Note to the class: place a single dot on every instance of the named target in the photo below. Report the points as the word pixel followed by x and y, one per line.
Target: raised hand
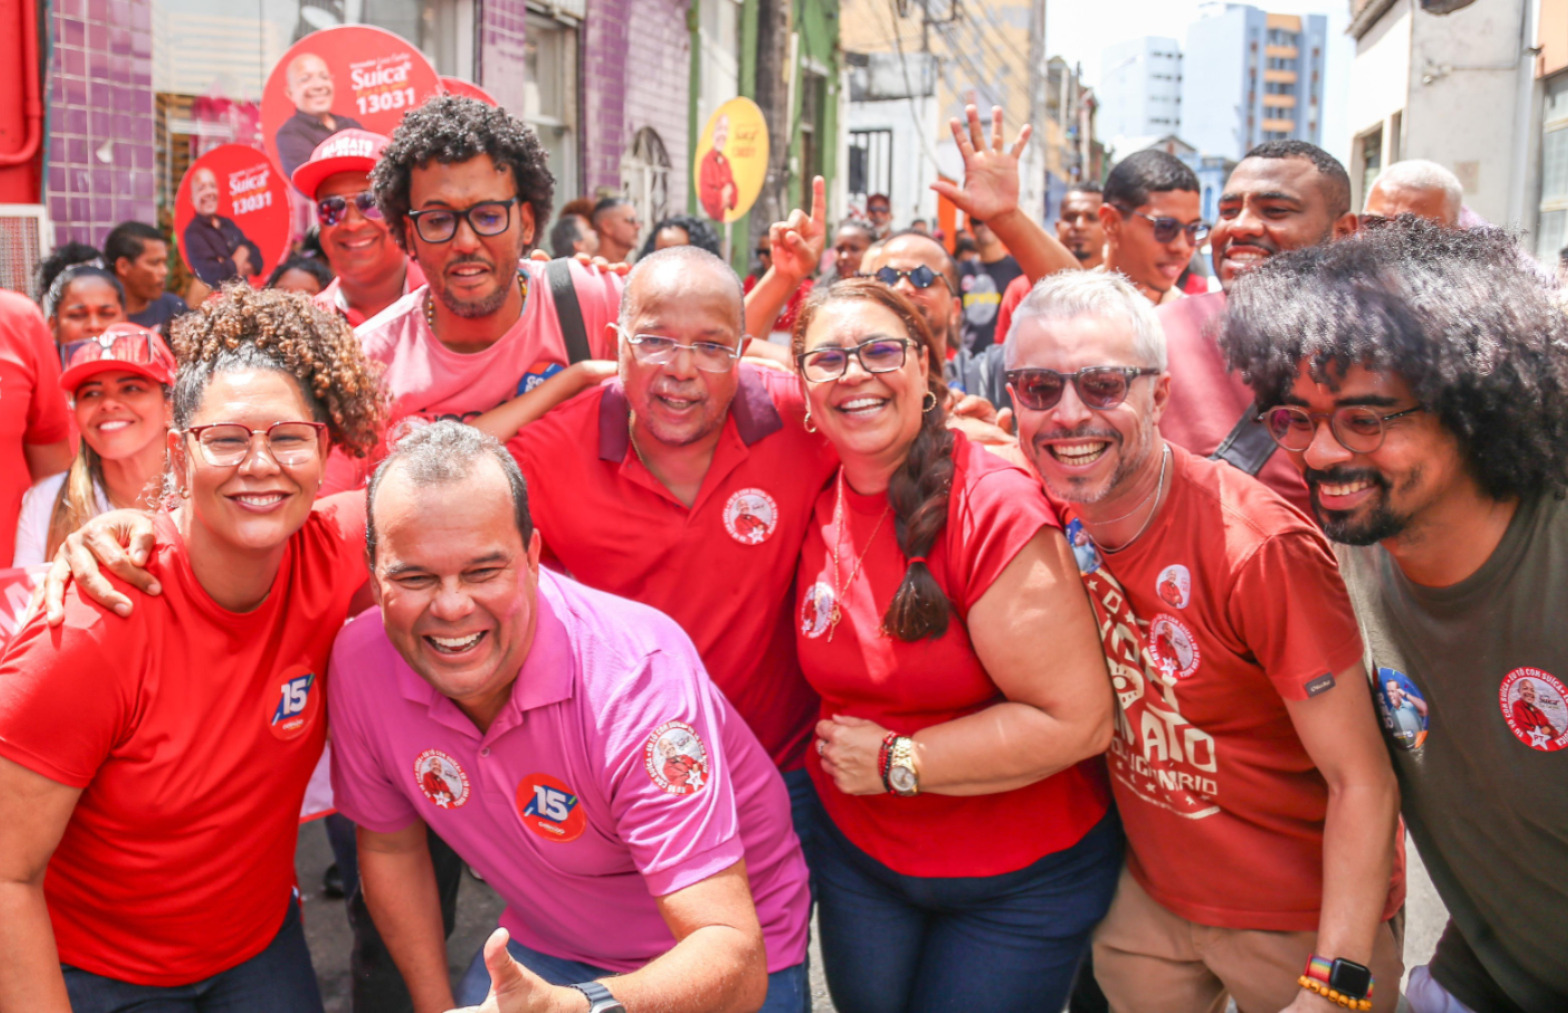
pixel 796 242
pixel 990 187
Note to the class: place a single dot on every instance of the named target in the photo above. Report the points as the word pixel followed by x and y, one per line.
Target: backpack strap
pixel 1248 446
pixel 567 309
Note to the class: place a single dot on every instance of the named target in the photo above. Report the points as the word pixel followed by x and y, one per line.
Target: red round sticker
pixel 351 76
pixel 231 216
pixel 293 701
pixel 1535 705
pixel 550 809
pixel 467 89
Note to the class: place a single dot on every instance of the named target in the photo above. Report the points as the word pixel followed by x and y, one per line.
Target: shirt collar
pixel 752 410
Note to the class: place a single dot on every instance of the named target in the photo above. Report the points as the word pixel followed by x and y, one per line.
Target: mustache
pixel 1268 246
pixel 1090 433
pixel 467 258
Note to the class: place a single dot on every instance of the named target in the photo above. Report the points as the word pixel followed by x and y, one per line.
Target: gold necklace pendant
pixel 838 541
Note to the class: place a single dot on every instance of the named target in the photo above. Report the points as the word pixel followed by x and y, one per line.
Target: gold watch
pixel 902 774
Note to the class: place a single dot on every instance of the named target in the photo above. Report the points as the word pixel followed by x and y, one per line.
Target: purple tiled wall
pixel 637 67
pixel 502 64
pixel 100 117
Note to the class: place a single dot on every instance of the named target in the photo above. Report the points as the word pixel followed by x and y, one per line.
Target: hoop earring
pixel 925 409
pixel 807 421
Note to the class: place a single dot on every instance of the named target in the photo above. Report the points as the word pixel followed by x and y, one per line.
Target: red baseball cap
pixel 344 151
pixel 123 347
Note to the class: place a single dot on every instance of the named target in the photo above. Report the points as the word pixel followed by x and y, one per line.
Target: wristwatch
pixel 599 998
pixel 902 776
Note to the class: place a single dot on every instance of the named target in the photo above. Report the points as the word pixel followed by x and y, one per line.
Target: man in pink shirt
pixel 571 748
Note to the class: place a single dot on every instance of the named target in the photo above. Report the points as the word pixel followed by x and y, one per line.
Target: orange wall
pixel 1553 38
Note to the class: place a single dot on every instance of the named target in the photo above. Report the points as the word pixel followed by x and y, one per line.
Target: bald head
pixel 682 272
pixel 310 84
pixel 1417 187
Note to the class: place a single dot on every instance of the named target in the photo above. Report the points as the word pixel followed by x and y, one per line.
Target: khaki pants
pixel 1148 960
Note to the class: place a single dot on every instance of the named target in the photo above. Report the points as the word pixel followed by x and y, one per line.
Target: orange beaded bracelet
pixel 1333 995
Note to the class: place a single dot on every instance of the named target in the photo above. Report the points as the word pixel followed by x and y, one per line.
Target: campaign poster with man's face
pixel 344 78
pixel 231 216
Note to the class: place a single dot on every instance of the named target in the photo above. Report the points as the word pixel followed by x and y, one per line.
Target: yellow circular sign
pixel 731 161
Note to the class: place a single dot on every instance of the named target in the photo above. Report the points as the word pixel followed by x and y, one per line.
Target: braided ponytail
pixel 918 490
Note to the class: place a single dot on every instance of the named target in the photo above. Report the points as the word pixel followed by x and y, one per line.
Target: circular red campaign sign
pixel 467 89
pixel 231 215
pixel 550 809
pixel 352 76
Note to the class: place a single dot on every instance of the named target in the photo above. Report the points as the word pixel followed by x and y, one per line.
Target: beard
pixel 1366 525
pixel 1127 465
pixel 473 308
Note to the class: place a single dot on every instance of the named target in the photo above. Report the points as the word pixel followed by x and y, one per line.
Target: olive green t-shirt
pixel 1471 682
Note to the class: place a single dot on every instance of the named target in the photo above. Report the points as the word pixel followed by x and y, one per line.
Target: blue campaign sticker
pixel 1402 706
pixel 538 373
pixel 1084 550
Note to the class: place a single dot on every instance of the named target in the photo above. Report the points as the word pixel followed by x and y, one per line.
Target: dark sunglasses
pixel 920 277
pixel 487 218
pixel 332 210
pixel 1099 387
pixel 1167 229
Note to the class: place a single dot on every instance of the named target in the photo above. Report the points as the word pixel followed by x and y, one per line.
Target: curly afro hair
pixel 1458 315
pixel 284 332
pixel 448 129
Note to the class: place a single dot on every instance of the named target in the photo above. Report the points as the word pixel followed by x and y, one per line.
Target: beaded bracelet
pixel 885 760
pixel 1333 995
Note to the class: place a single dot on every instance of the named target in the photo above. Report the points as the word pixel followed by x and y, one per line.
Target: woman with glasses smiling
pixel 152 764
pixel 965 847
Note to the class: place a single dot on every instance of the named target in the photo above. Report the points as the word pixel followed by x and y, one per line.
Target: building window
pixel 1371 158
pixel 550 98
pixel 870 164
pixel 645 177
pixel 1552 229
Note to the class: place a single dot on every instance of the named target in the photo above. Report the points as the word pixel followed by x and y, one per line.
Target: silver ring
pixel 821 745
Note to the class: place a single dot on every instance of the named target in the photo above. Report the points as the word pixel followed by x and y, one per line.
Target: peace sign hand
pixel 990 187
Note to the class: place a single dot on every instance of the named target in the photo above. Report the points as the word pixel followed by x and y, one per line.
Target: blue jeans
pixel 789 990
pixel 1004 944
pixel 279 979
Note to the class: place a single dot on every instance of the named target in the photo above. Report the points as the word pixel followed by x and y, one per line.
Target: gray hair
pixel 689 258
pixel 439 453
pixel 1420 174
pixel 1068 295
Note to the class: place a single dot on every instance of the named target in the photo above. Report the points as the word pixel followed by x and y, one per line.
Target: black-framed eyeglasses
pixel 1167 229
pixel 228 444
pixel 875 355
pixel 487 218
pixel 657 350
pixel 921 277
pixel 332 210
pixel 1358 428
pixel 1100 387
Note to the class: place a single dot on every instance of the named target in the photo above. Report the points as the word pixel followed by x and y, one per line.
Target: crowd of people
pixel 1055 630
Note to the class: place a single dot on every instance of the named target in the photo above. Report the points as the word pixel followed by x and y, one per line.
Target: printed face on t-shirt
pixel 87 307
pixel 1364 498
pixel 1087 455
pixel 258 504
pixel 456 583
pixel 360 250
pixel 472 275
pixel 1137 253
pixel 675 403
pixel 866 416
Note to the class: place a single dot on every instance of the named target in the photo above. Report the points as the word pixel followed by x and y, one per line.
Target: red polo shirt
pixel 721 568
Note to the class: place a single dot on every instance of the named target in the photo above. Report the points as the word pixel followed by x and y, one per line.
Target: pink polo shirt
pixel 616 774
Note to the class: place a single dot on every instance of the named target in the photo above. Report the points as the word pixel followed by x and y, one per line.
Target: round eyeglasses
pixel 228 444
pixel 875 355
pixel 1100 387
pixel 920 276
pixel 1358 428
pixel 332 210
pixel 657 350
pixel 487 218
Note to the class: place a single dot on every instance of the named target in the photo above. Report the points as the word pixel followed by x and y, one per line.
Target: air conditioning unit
pixel 26 238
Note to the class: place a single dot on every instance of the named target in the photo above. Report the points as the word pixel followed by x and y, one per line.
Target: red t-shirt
pixel 1229 605
pixel 1207 400
pixel 993 511
pixel 32 406
pixel 332 300
pixel 1014 294
pixel 723 568
pixel 193 731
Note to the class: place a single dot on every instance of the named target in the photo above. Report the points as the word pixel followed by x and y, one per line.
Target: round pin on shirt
pixel 1535 705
